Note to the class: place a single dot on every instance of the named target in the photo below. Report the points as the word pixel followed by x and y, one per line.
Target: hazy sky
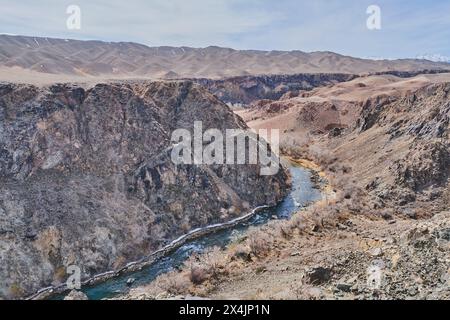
pixel 409 27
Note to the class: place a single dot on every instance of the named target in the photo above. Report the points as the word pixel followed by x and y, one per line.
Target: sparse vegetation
pixel 259 242
pixel 173 283
pixel 198 274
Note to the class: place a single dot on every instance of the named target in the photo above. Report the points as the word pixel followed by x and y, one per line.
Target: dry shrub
pixel 297 147
pixel 185 226
pixel 351 196
pixel 209 265
pixel 326 215
pixel 215 260
pixel 173 283
pixel 259 242
pixel 241 251
pixel 60 274
pixel 298 222
pixel 15 291
pixel 285 231
pixel 346 169
pixel 318 222
pixel 198 274
pixel 120 262
pixel 324 158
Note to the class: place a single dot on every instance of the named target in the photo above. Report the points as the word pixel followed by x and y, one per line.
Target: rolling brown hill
pixel 32 56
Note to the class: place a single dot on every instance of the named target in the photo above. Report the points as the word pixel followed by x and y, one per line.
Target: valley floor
pixel 352 257
pixel 385 232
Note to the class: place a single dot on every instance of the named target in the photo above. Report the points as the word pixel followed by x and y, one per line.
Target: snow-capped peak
pixel 436 57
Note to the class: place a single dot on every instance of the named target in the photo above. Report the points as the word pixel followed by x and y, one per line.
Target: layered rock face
pixel 87 178
pixel 248 89
pixel 393 132
pixel 421 121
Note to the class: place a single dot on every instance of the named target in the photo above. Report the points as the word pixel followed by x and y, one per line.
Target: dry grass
pixel 259 242
pixel 173 283
pixel 198 274
pixel 202 273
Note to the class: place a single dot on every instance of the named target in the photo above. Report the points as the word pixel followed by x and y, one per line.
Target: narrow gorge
pixel 87 178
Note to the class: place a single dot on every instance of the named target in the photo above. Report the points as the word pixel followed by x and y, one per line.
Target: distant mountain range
pixel 435 57
pixel 126 59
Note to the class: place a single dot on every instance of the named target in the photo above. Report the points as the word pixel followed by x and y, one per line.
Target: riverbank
pixel 326 252
pixel 384 234
pixel 147 261
pixel 113 283
pixel 176 283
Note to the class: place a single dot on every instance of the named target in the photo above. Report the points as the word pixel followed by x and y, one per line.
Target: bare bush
pixel 285 231
pixel 215 261
pixel 325 215
pixel 298 222
pixel 241 252
pixel 259 243
pixel 198 274
pixel 173 283
pixel 210 264
pixel 319 224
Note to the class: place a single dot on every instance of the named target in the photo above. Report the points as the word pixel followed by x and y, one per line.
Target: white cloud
pixel 408 26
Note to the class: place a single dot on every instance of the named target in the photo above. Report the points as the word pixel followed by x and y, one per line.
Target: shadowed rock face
pixel 248 89
pixel 87 179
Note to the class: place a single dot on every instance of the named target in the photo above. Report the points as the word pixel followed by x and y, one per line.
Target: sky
pixel 409 28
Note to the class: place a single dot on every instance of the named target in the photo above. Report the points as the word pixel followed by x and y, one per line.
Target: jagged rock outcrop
pixel 425 165
pixel 86 177
pixel 422 114
pixel 417 125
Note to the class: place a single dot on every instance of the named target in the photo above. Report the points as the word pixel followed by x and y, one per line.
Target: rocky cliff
pixel 392 131
pixel 87 179
pixel 417 126
pixel 248 89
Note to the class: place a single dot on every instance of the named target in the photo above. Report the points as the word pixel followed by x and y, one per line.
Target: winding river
pixel 303 192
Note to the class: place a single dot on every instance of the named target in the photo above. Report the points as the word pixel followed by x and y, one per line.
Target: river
pixel 303 192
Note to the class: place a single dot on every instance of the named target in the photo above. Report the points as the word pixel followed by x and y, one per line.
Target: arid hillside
pixel 244 90
pixel 382 230
pixel 393 132
pixel 32 55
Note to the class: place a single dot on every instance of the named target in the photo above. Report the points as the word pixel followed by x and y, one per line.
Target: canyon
pixel 87 177
pixel 382 142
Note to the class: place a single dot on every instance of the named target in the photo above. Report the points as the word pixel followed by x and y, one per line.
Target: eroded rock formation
pixel 247 89
pixel 87 179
